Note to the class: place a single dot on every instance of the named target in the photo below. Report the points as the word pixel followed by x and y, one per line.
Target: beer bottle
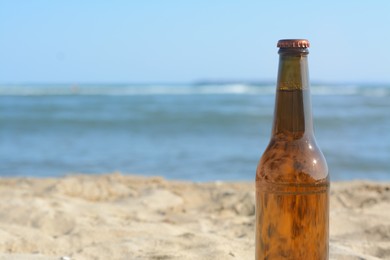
pixel 292 181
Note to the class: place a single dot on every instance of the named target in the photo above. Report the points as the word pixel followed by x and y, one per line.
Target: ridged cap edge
pixel 293 43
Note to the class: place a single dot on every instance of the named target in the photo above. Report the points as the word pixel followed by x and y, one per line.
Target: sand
pixel 118 216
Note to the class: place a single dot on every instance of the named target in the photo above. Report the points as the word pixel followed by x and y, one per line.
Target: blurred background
pixel 185 89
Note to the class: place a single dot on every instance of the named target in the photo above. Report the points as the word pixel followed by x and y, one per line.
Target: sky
pixel 185 41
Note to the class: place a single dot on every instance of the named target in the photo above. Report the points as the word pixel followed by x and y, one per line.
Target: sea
pixel 197 132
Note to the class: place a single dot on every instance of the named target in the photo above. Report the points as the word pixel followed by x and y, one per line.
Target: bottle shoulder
pixel 292 160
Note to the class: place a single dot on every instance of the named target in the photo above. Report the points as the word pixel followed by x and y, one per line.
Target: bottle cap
pixel 293 43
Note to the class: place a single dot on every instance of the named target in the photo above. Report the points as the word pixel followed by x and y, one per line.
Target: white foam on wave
pixel 348 90
pixel 134 90
pixel 335 90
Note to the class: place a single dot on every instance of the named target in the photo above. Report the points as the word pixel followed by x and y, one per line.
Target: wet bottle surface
pixel 292 182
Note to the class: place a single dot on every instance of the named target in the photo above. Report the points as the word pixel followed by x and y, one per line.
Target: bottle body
pixel 292 182
pixel 291 206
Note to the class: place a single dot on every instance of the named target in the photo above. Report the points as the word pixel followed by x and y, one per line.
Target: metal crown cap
pixel 293 43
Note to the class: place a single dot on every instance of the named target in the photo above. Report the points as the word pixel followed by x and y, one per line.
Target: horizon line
pixel 192 82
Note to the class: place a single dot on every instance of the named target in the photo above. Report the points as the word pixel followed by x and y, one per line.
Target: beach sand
pixel 118 216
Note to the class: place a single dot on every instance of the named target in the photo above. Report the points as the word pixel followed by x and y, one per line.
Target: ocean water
pixel 198 132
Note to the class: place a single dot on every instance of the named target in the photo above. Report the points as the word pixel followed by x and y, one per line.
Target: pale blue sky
pixel 182 41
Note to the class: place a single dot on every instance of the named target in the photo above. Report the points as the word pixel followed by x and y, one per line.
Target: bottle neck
pixel 292 117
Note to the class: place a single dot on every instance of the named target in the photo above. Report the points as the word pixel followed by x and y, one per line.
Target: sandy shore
pixel 129 217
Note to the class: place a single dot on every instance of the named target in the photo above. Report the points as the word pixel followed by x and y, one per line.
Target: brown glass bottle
pixel 292 182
